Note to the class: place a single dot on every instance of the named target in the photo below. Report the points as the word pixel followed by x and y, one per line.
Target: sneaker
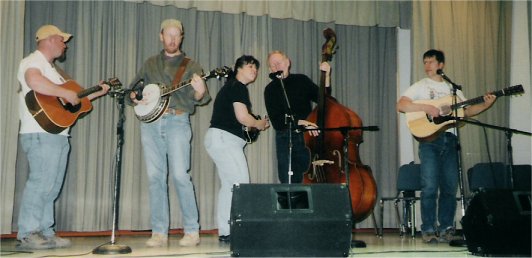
pixel 448 235
pixel 58 242
pixel 429 237
pixel 157 240
pixel 225 239
pixel 191 239
pixel 34 241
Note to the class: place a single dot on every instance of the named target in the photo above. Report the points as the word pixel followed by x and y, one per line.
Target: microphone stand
pixel 290 121
pixel 509 133
pixel 455 88
pixel 112 247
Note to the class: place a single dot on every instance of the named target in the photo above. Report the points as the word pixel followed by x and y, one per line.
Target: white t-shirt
pixel 430 89
pixel 427 88
pixel 37 60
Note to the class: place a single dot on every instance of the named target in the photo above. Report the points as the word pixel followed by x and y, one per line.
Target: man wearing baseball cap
pixel 50 30
pixel 47 152
pixel 167 140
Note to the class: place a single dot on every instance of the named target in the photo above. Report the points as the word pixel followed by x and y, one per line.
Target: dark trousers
pixel 300 156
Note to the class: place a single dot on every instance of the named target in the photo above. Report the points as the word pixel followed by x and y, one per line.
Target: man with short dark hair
pixel 438 154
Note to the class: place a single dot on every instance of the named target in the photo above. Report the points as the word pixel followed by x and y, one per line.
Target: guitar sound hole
pixel 69 107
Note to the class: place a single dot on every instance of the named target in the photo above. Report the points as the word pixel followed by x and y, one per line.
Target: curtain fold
pixel 361 13
pixel 11 51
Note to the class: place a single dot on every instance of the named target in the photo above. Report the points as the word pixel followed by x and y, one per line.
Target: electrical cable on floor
pixel 228 253
pixel 66 255
pixel 73 255
pixel 13 252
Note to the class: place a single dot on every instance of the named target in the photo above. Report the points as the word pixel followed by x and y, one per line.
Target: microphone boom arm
pixel 442 74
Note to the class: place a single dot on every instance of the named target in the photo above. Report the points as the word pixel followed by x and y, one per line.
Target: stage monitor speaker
pixel 497 222
pixel 290 220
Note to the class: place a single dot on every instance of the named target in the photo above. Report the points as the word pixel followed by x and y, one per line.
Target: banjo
pixel 156 96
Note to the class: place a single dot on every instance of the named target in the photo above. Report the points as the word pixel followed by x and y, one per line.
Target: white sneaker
pixel 191 239
pixel 58 242
pixel 157 240
pixel 35 241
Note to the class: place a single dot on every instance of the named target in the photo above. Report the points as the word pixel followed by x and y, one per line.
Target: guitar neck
pixel 89 91
pixel 476 100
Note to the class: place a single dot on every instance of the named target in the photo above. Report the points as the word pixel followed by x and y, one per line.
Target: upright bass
pixel 327 154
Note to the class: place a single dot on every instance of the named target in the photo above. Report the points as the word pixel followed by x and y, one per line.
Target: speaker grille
pixel 290 220
pixel 497 222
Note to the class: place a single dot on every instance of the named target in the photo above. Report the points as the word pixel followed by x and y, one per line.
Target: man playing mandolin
pixel 166 140
pixel 225 140
pixel 47 151
pixel 438 154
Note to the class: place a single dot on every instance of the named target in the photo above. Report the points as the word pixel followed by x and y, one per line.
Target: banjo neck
pixel 165 90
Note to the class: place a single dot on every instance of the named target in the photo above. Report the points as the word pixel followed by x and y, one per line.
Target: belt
pixel 174 111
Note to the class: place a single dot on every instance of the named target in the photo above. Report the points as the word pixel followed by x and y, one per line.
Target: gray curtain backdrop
pixel 12 28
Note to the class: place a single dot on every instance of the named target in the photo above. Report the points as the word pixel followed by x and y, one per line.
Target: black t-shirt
pixel 301 91
pixel 223 115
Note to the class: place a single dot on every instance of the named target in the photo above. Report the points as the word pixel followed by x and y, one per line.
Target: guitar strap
pixel 180 71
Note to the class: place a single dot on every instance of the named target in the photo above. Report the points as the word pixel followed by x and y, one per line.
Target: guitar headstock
pixel 219 72
pixel 328 49
pixel 513 90
pixel 115 86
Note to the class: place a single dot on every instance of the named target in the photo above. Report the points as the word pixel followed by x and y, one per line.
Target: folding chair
pixel 496 175
pixel 488 176
pixel 408 182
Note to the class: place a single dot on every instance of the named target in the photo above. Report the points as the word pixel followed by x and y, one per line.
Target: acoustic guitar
pixel 425 127
pixel 54 114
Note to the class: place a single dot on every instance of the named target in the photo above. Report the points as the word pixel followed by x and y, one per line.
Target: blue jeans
pixel 439 170
pixel 300 156
pixel 166 146
pixel 227 151
pixel 47 155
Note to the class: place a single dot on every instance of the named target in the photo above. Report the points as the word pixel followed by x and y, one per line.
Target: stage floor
pixel 390 245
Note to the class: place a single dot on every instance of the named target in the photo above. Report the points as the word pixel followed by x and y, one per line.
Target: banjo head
pixel 153 106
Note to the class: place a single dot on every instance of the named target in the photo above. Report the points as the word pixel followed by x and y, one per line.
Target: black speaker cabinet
pixel 497 222
pixel 290 220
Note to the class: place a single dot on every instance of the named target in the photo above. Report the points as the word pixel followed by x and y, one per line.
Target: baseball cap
pixel 46 31
pixel 172 23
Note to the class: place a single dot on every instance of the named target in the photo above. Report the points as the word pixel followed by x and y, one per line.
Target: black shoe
pixel 225 239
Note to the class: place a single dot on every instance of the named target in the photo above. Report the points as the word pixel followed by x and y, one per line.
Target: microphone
pixel 138 92
pixel 277 74
pixel 442 74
